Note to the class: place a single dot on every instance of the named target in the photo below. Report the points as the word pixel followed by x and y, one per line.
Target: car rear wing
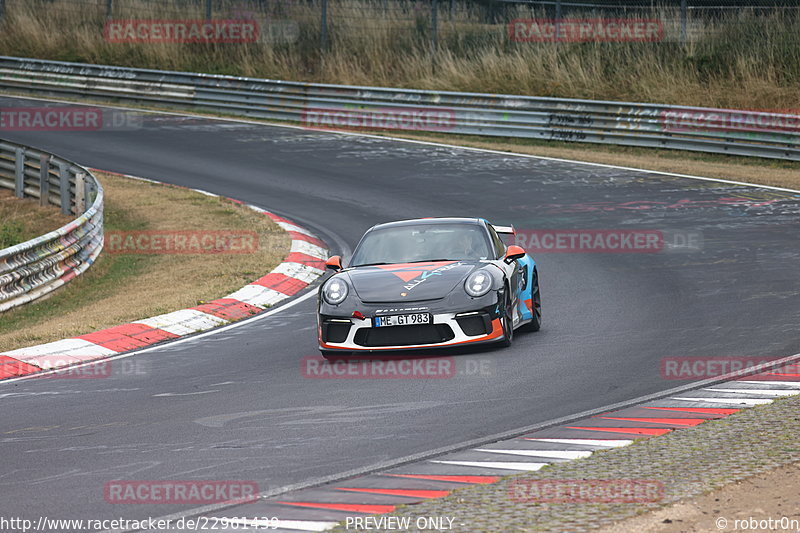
pixel 504 230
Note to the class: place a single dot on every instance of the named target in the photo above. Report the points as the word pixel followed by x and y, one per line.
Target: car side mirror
pixel 513 253
pixel 334 263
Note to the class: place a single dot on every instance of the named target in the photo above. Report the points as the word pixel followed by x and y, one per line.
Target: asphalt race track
pixel 236 405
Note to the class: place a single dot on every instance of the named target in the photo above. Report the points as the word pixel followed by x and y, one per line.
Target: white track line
pixel 732 401
pixel 781 383
pixel 609 443
pixel 522 467
pixel 760 392
pixel 552 454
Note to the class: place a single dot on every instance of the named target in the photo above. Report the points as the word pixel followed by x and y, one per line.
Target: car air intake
pixel 335 331
pixel 404 335
pixel 475 324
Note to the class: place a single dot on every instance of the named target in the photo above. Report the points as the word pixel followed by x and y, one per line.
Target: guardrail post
pixel 91 191
pixel 44 179
pixel 80 193
pixel 109 9
pixel 19 173
pixel 323 27
pixel 208 9
pixel 434 28
pixel 684 10
pixel 558 21
pixel 64 188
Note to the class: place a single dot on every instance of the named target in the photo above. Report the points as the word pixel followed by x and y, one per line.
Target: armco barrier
pixel 34 268
pixel 736 132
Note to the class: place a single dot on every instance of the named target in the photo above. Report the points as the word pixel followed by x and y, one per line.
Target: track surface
pixel 235 405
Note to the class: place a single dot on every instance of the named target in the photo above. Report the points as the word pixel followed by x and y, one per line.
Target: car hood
pixel 409 281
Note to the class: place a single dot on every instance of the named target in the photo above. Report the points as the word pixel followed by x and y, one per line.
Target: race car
pixel 428 283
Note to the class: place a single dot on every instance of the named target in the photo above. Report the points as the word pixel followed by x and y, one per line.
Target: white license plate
pixel 403 320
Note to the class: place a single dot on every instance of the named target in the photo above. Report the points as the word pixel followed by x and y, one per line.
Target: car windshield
pixel 422 242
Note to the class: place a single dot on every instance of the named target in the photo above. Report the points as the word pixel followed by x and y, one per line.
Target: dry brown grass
pixel 761 497
pixel 121 288
pixel 739 61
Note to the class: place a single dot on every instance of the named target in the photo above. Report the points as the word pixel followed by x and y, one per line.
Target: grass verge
pixel 24 219
pixel 120 288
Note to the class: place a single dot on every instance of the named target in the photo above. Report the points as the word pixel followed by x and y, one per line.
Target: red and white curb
pixel 323 507
pixel 304 264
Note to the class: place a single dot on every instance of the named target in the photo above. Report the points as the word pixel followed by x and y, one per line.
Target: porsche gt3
pixel 428 283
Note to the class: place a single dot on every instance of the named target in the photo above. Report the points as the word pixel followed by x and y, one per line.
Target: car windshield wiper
pixel 431 260
pixel 372 264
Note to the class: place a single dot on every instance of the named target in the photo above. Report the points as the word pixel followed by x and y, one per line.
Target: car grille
pixel 404 335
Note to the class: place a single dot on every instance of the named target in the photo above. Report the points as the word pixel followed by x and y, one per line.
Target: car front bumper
pixel 445 329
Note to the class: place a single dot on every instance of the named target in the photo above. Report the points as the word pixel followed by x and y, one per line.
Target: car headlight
pixel 335 291
pixel 478 283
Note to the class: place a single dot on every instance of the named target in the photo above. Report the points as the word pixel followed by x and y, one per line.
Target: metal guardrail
pixel 735 132
pixel 34 268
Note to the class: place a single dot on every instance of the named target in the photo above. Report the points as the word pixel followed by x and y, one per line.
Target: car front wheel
pixel 507 320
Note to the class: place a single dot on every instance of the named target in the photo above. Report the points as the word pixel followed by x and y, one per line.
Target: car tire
pixel 536 303
pixel 507 320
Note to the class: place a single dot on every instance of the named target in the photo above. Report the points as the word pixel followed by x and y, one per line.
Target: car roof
pixel 432 221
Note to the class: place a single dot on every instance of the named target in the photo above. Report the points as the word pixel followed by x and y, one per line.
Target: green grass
pixel 11 232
